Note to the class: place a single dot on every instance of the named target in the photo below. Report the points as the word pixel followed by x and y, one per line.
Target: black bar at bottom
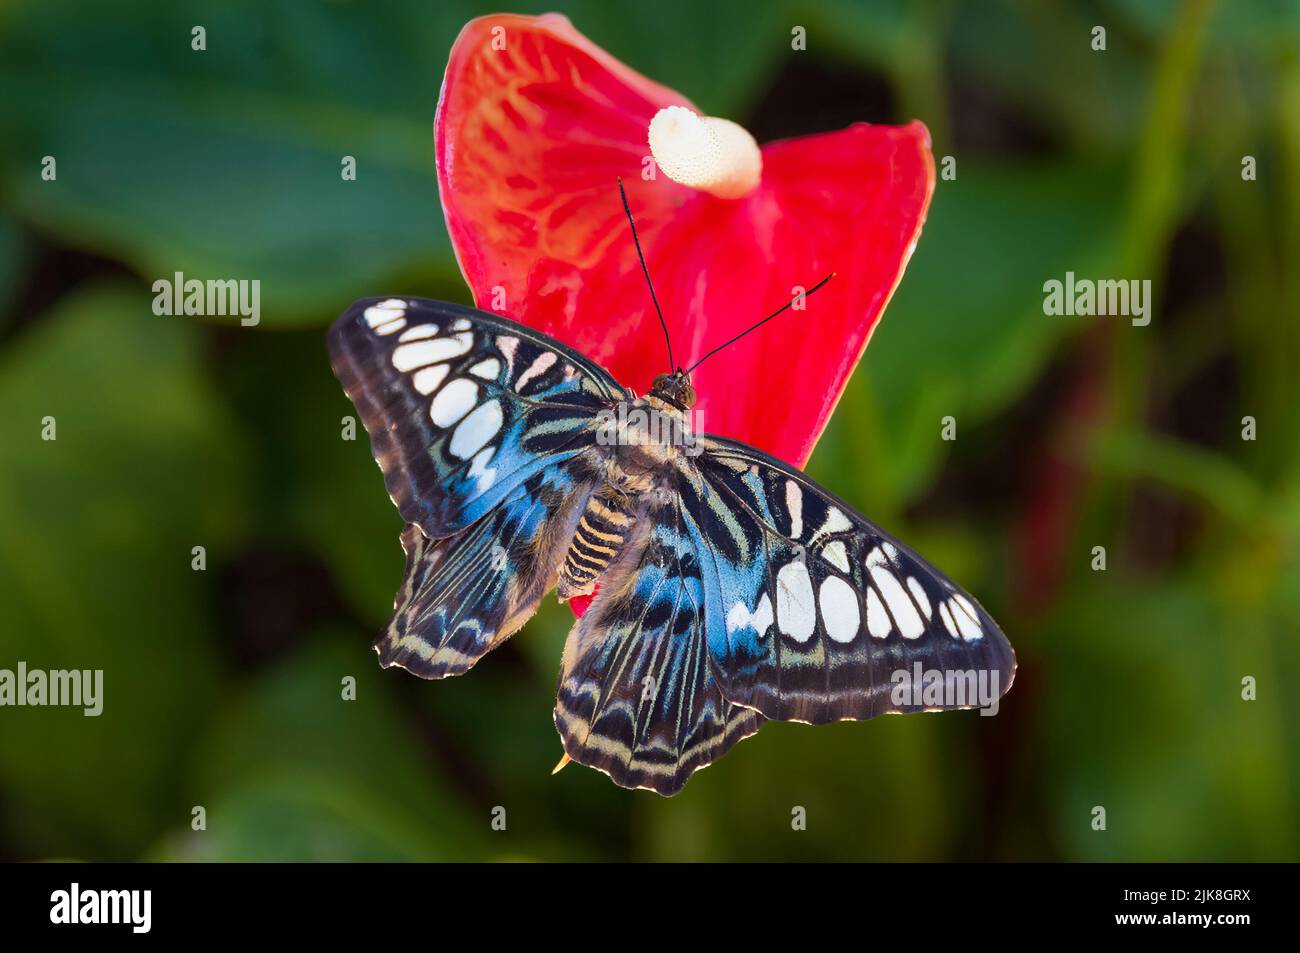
pixel 965 903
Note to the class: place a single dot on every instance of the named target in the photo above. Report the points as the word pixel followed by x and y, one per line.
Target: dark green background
pixel 223 687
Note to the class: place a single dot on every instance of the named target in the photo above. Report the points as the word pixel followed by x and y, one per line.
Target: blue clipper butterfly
pixel 730 588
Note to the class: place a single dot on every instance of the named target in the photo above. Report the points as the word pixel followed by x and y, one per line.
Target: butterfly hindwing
pixel 817 615
pixel 463 595
pixel 638 698
pixel 462 406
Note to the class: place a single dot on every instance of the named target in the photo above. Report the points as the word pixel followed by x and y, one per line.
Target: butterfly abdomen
pixel 639 442
pixel 603 529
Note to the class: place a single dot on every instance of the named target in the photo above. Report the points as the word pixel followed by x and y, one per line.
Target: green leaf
pixel 966 333
pixel 1216 480
pixel 1260 28
pixel 293 770
pixel 1039 64
pixel 95 559
pixel 1151 725
pixel 226 163
pixel 677 45
pixel 12 258
pixel 846 777
pixel 314 487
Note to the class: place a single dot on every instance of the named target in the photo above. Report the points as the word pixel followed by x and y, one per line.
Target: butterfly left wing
pixel 638 698
pixel 482 429
pixel 462 406
pixel 814 613
pixel 463 595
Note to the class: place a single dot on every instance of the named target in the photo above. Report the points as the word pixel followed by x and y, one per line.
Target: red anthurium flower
pixel 536 124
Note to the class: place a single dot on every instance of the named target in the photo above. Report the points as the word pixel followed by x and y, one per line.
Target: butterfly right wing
pixel 483 430
pixel 816 614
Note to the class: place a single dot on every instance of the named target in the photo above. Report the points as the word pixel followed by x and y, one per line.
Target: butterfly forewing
pixel 818 615
pixel 462 407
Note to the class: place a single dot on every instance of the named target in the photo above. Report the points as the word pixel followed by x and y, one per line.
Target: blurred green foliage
pixel 223 687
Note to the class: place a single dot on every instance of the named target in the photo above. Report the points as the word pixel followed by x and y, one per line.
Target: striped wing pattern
pixel 465 594
pixel 462 406
pixel 481 429
pixel 816 614
pixel 638 698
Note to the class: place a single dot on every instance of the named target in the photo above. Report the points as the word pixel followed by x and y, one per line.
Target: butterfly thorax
pixel 642 437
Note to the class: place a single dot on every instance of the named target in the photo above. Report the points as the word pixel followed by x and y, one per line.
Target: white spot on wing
pixel 479 470
pixel 385 311
pixel 488 369
pixel 794 506
pixel 427 379
pixel 878 623
pixel 918 593
pixel 407 357
pixel 453 402
pixel 840 613
pixel 760 620
pixel 508 345
pixel 909 623
pixel 835 554
pixel 836 522
pixel 392 327
pixel 473 433
pixel 539 366
pixel 796 613
pixel 946 614
pixel 966 617
pixel 419 332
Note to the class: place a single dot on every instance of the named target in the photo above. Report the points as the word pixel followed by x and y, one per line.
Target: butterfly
pixel 729 588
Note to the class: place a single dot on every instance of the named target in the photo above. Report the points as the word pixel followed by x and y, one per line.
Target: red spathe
pixel 534 127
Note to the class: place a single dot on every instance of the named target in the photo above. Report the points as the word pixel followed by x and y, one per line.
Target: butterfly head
pixel 675 388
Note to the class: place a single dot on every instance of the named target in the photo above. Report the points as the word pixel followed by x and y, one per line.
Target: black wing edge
pixel 349 331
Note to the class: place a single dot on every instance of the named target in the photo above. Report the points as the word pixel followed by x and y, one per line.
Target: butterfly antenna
pixel 672 365
pixel 755 327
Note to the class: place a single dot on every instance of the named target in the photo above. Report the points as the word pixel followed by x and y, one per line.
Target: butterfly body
pixel 729 588
pixel 639 441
